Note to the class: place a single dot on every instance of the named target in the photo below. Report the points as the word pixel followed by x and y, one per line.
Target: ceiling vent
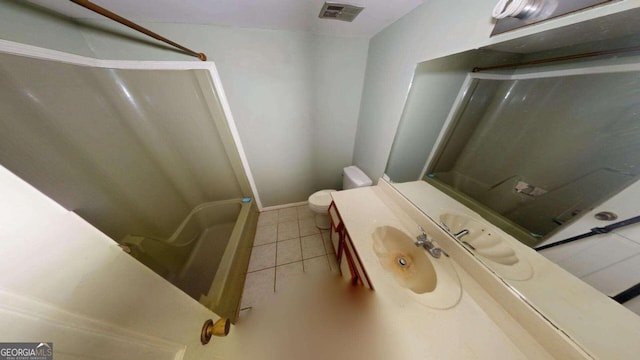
pixel 337 11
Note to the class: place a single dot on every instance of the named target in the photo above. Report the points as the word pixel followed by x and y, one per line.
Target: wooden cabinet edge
pixel 346 250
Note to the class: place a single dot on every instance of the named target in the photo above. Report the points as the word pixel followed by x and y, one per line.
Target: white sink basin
pixel 430 281
pixel 408 264
pixel 488 245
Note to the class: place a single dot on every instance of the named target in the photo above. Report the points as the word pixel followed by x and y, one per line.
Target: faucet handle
pixel 422 238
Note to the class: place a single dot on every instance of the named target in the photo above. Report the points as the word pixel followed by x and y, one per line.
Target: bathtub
pixel 208 254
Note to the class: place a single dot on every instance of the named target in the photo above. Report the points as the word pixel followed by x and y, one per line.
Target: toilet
pixel 319 201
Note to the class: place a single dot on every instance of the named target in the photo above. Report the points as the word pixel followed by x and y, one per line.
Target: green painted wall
pixel 437 28
pixel 29 24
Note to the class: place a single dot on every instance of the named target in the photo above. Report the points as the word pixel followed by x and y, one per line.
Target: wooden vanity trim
pixel 351 254
pixel 337 227
pixel 352 267
pixel 359 267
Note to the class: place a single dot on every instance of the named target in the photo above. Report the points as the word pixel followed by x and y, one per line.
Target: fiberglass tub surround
pixel 129 150
pixel 206 254
pixel 145 155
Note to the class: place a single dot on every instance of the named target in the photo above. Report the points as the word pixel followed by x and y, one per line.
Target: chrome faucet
pixel 457 235
pixel 424 241
pixel 461 233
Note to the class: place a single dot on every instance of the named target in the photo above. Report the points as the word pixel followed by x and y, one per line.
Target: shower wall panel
pixel 131 151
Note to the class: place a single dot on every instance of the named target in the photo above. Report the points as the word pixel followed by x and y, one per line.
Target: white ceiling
pixel 295 15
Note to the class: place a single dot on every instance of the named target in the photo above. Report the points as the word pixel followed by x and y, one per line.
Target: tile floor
pixel 287 245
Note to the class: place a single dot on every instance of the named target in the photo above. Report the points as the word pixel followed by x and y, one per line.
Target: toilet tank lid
pixel 358 177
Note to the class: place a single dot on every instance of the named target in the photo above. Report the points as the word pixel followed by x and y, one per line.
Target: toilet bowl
pixel 320 201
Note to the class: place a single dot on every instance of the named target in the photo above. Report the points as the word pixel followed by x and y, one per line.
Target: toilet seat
pixel 319 201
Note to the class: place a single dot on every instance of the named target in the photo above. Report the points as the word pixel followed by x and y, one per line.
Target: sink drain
pixel 402 262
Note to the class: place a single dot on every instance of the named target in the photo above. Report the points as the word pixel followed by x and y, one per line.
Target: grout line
pixel 289 263
pixel 275 277
pixel 293 238
pixel 303 268
pixel 301 253
pixel 315 257
pixel 265 244
pixel 269 243
pixel 267 268
pixel 300 243
pixel 275 271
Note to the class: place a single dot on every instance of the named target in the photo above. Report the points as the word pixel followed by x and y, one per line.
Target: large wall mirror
pixel 536 151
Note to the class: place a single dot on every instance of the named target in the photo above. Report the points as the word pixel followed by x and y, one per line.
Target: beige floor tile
pixel 262 257
pixel 266 234
pixel 308 227
pixel 268 218
pixel 328 246
pixel 317 265
pixel 258 286
pixel 288 251
pixel 288 230
pixel 312 246
pixel 244 314
pixel 333 264
pixel 287 214
pixel 287 274
pixel 304 212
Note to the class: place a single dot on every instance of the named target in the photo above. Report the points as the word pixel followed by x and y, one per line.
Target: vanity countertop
pixel 598 324
pixel 476 327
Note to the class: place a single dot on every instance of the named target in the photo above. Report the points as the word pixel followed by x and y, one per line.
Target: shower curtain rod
pixel 115 17
pixel 560 58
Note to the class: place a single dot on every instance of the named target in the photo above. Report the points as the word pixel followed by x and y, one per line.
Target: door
pixel 63 281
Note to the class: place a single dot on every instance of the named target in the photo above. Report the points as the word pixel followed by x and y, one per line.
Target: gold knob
pixel 220 328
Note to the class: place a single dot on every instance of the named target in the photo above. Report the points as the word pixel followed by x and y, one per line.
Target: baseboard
pixel 277 207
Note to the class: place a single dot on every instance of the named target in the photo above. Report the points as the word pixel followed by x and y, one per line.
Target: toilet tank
pixel 353 177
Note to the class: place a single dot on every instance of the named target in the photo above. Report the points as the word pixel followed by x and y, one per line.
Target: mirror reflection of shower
pixel 540 151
